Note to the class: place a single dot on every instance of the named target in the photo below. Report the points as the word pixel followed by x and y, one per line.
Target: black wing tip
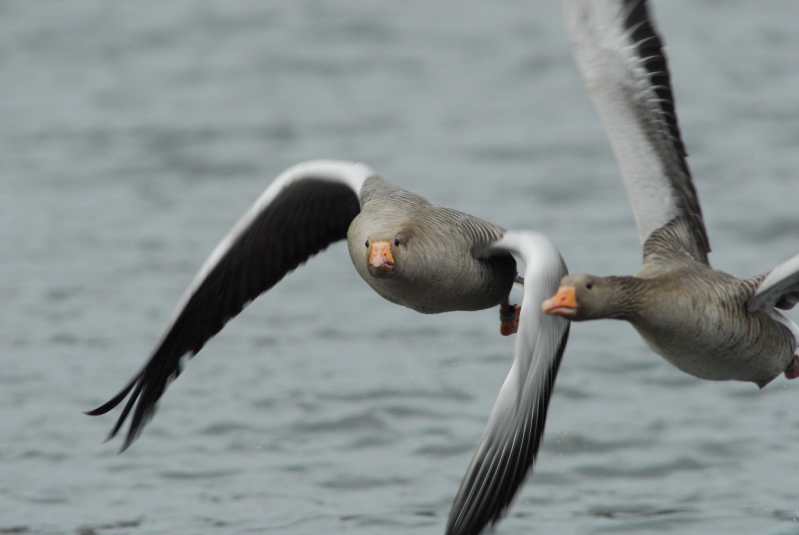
pixel 485 526
pixel 131 437
pixel 472 514
pixel 477 514
pixel 140 417
pixel 114 401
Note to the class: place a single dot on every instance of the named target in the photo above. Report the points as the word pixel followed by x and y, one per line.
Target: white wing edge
pixel 780 281
pixel 539 334
pixel 353 174
pixel 618 83
pixel 540 342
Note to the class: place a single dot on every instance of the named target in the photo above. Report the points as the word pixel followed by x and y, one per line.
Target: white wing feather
pixel 780 288
pixel 620 57
pixel 510 442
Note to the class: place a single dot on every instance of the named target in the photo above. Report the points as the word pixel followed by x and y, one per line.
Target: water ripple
pixel 653 471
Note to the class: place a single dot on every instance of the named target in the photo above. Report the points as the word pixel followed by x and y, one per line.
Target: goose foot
pixel 509 316
pixel 792 371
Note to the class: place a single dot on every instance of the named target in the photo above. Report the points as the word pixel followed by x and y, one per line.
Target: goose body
pixel 720 339
pixel 410 251
pixel 444 274
pixel 716 338
pixel 708 323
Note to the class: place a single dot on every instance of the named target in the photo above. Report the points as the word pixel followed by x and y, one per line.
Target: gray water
pixel 134 134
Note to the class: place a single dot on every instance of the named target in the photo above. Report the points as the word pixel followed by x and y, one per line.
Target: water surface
pixel 133 135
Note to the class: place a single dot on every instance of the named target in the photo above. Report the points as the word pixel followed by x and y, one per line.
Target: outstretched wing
pixel 510 442
pixel 780 288
pixel 621 59
pixel 308 207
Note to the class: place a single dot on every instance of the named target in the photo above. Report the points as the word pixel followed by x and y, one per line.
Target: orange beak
pixel 380 260
pixel 563 303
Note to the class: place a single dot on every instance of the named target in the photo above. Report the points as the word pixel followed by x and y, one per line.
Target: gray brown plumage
pixel 706 322
pixel 444 274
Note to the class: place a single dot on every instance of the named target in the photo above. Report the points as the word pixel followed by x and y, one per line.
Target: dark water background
pixel 134 134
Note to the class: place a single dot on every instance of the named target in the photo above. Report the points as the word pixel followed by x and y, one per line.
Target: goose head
pixel 588 297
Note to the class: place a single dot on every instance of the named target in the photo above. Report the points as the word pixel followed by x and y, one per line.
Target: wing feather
pixel 508 447
pixel 305 209
pixel 780 288
pixel 621 59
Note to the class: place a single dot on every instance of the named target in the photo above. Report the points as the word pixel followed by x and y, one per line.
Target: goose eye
pixel 367 243
pixel 589 285
pixel 396 242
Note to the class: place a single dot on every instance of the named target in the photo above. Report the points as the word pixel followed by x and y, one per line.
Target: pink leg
pixel 792 371
pixel 509 316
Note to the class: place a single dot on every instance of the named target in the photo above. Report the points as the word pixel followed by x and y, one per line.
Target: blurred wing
pixel 779 289
pixel 621 59
pixel 308 207
pixel 510 442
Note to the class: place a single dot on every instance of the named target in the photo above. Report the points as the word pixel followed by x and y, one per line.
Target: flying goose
pixel 412 252
pixel 707 323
